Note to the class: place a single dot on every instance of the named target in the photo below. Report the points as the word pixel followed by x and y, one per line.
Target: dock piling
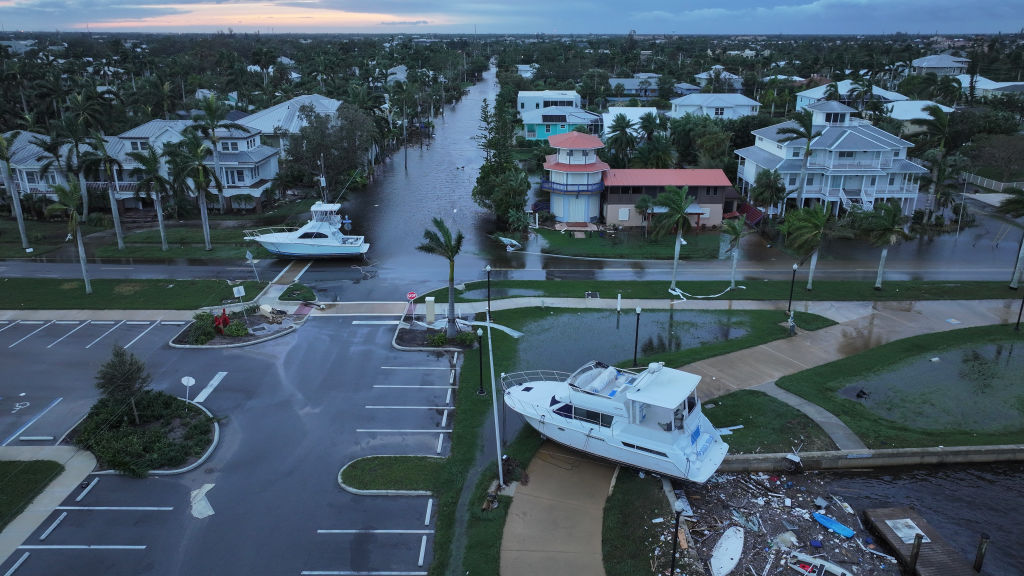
pixel 979 556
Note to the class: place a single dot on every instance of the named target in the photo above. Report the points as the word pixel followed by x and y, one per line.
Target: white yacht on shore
pixel 650 419
pixel 321 237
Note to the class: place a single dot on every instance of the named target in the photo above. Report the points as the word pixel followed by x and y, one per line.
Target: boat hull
pixel 294 250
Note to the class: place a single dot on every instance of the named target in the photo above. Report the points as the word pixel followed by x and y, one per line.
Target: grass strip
pixel 769 425
pixel 20 482
pixel 821 385
pixel 630 245
pixel 119 294
pixel 631 543
pixel 297 292
pixel 176 252
pixel 755 290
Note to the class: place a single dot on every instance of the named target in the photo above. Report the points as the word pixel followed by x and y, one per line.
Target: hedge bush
pixel 236 329
pixel 202 330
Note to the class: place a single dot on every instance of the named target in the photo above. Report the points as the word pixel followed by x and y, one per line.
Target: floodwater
pixel 975 389
pixel 960 502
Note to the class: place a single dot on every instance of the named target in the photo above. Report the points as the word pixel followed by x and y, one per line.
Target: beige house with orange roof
pixel 712 192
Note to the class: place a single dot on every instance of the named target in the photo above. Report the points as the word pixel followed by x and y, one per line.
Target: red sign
pixel 411 296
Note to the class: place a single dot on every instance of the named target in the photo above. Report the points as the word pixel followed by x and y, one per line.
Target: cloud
pixel 405 23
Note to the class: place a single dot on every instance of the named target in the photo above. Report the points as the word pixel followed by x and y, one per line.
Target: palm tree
pixel 650 124
pixel 440 242
pixel 802 130
pixel 152 182
pixel 861 92
pixel 805 230
pixel 676 202
pixel 69 199
pixel 655 153
pixel 100 159
pixel 621 139
pixel 937 132
pixel 886 226
pixel 213 117
pixel 768 190
pixel 191 164
pixel 643 206
pixel 6 151
pixel 832 91
pixel 734 229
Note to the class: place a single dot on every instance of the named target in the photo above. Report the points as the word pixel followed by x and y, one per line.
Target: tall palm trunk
pixel 452 330
pixel 81 259
pixel 803 181
pixel 216 171
pixel 675 260
pixel 116 213
pixel 810 273
pixel 881 268
pixel 15 205
pixel 735 258
pixel 1017 268
pixel 85 195
pixel 158 204
pixel 205 218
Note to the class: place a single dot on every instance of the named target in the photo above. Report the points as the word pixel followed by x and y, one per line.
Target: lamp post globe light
pixel 480 347
pixel 792 283
pixel 636 338
pixel 678 508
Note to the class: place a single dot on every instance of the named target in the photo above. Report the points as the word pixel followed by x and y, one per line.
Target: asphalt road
pixel 294 411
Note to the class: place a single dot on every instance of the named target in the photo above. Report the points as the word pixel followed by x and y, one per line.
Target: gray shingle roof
pixel 760 157
pixel 154 128
pixel 830 106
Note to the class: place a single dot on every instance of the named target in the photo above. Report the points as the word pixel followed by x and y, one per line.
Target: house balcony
pixel 559 188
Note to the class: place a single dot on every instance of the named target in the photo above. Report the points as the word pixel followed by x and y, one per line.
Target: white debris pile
pixel 779 514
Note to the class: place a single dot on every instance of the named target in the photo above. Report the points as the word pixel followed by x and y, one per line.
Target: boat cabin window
pixel 312 235
pixel 584 415
pixel 684 410
pixel 645 449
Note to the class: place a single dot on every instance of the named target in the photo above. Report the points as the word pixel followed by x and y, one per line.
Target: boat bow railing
pixel 252 234
pixel 527 376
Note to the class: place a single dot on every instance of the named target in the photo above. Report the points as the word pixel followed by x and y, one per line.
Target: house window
pixel 569 153
pixel 847 155
pixel 623 214
pixel 835 117
pixel 719 111
pixel 796 153
pixel 561 126
pixel 892 179
pixel 872 181
pixel 522 105
pixel 895 153
pixel 547 128
pixel 252 142
pixel 50 178
pixel 31 177
pixel 586 153
pixel 810 180
pixel 792 180
pixel 711 191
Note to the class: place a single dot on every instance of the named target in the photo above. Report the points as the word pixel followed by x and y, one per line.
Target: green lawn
pixel 755 290
pixel 821 385
pixel 631 543
pixel 297 292
pixel 769 425
pixel 183 242
pixel 44 236
pixel 631 244
pixel 109 294
pixel 20 482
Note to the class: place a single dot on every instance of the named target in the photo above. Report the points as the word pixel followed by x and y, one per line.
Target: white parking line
pixel 17 564
pixel 440 443
pixel 105 333
pixel 10 325
pixel 155 324
pixel 408 386
pixel 423 549
pixel 209 387
pixel 67 322
pixel 444 418
pixel 87 489
pixel 32 321
pixel 430 504
pixel 102 321
pixel 415 368
pixel 30 334
pixel 379 322
pixel 407 431
pixel 79 547
pixel 80 326
pixel 173 323
pixel 62 516
pixel 30 422
pixel 370 531
pixel 412 407
pixel 137 322
pixel 448 396
pixel 118 508
pixel 359 573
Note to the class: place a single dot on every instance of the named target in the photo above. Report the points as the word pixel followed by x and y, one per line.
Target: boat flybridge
pixel 321 237
pixel 650 419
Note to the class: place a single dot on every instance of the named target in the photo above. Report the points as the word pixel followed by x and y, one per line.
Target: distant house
pixel 573 177
pixel 983 87
pixel 711 190
pixel 546 122
pixel 851 162
pixel 940 64
pixel 537 99
pixel 526 70
pixel 783 79
pixel 278 122
pixel 630 112
pixel 817 94
pixel 642 85
pixel 725 106
pixel 682 88
pixel 909 110
pixel 18 47
pixel 720 80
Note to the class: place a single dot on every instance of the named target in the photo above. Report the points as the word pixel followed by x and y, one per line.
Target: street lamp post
pixel 792 283
pixel 480 346
pixel 488 270
pixel 636 338
pixel 678 507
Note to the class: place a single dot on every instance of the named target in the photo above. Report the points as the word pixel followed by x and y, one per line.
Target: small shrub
pixel 202 330
pixel 467 339
pixel 236 329
pixel 437 340
pixel 100 220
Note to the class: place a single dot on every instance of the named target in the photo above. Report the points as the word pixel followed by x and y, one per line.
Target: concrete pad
pixel 554 523
pixel 78 464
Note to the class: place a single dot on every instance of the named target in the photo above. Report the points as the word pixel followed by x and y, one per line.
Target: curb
pixel 847 459
pixel 359 492
pixel 278 334
pixel 202 459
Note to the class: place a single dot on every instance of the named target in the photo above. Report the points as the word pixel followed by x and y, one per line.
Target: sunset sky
pixel 522 16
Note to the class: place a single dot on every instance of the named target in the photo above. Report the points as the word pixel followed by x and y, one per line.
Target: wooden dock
pixel 897 526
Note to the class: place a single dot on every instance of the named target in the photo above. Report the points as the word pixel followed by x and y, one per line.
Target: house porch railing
pixel 592 188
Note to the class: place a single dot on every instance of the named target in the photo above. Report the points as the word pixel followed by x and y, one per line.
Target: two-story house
pixel 845 89
pixel 851 162
pixel 537 99
pixel 711 190
pixel 940 64
pixel 642 85
pixel 574 177
pixel 724 106
pixel 719 80
pixel 546 122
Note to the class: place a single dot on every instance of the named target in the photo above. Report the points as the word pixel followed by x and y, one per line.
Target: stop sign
pixel 411 296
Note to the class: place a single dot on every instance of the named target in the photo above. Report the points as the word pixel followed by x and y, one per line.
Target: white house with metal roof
pixel 817 94
pixel 940 64
pixel 719 79
pixel 537 99
pixel 278 122
pixel 909 110
pixel 724 106
pixel 546 122
pixel 642 85
pixel 851 162
pixel 984 87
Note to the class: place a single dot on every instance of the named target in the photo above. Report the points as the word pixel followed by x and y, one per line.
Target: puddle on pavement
pixel 568 339
pixel 973 388
pixel 481 293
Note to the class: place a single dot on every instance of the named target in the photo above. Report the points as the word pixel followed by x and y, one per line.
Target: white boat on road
pixel 650 420
pixel 321 237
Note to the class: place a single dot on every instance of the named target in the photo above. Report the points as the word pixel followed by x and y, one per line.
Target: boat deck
pixel 936 558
